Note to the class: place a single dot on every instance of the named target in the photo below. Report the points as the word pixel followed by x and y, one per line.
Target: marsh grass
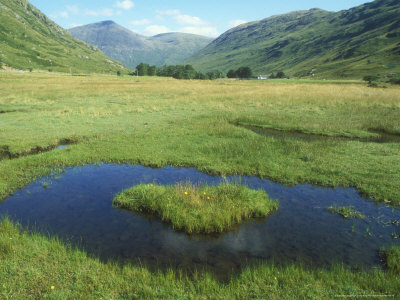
pixel 346 212
pixel 198 208
pixel 391 258
pixel 161 121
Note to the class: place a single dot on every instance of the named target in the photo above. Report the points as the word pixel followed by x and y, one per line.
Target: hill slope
pixel 131 48
pixel 30 40
pixel 352 43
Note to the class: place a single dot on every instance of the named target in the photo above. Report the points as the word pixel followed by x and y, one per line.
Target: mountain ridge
pixel 131 48
pixel 31 41
pixel 345 44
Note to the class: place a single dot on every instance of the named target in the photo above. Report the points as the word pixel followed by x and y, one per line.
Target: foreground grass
pixel 198 209
pixel 31 264
pixel 160 121
pixel 346 212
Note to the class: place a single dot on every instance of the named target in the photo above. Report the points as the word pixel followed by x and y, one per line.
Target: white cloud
pixel 235 23
pixel 140 22
pixel 205 30
pixel 74 25
pixel 125 4
pixel 155 29
pixel 61 14
pixel 64 14
pixel 105 12
pixel 73 9
pixel 189 20
pixel 169 12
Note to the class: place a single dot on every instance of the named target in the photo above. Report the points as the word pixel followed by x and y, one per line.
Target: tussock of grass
pixel 346 212
pixel 198 209
pixel 392 259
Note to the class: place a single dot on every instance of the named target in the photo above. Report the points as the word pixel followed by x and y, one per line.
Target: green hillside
pixel 131 49
pixel 30 40
pixel 346 44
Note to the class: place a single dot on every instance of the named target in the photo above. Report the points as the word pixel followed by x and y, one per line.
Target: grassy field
pixel 161 121
pixel 198 209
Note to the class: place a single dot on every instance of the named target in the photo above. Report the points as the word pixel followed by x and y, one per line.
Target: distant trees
pixel 394 81
pixel 177 71
pixel 242 72
pixel 231 74
pixel 278 75
pixel 370 78
pixel 152 70
pixel 215 75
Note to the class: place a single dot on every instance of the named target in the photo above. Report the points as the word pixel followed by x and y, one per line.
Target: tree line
pixel 188 72
pixel 176 71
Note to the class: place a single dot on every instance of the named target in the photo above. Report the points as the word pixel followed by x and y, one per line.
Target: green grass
pixel 346 212
pixel 30 264
pixel 160 121
pixel 392 259
pixel 198 209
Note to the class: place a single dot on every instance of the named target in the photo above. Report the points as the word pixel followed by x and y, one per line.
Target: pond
pixel 77 207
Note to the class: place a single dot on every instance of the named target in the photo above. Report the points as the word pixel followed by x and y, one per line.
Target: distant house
pixel 262 77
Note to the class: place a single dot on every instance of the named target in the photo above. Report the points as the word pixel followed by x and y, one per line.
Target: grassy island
pixel 346 212
pixel 198 209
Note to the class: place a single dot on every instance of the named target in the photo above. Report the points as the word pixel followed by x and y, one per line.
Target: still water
pixel 77 207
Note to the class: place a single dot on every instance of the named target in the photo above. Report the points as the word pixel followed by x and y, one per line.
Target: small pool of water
pixel 381 137
pixel 77 207
pixel 61 147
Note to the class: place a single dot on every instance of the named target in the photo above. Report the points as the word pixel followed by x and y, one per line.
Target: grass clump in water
pixel 198 208
pixel 391 258
pixel 346 212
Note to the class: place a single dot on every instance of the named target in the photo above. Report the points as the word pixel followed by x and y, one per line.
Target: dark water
pixel 77 207
pixel 381 137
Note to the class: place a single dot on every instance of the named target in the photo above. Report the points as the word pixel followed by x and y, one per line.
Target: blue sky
pixel 205 17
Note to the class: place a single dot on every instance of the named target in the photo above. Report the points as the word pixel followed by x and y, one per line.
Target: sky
pixel 150 17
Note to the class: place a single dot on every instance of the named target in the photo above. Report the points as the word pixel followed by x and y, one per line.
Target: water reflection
pixel 77 207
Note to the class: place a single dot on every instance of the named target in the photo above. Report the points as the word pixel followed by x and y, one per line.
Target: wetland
pixel 97 136
pixel 76 206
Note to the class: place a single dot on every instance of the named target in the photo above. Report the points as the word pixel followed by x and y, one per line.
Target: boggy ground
pixel 159 121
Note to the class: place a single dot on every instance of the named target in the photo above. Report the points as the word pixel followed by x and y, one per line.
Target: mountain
pixel 131 48
pixel 30 40
pixel 347 44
